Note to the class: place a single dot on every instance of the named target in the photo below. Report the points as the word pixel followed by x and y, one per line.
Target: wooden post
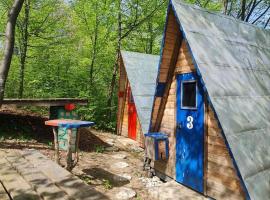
pixel 69 150
pixel 77 145
pixel 56 145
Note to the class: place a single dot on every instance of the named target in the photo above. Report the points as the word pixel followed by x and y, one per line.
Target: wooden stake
pixel 56 145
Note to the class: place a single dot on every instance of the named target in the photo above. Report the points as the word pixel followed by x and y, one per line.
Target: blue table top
pixel 67 123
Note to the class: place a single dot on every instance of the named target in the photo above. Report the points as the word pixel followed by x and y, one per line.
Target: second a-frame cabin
pixel 212 100
pixel 137 80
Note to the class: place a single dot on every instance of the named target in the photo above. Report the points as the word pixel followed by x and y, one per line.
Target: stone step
pixel 14 183
pixel 41 183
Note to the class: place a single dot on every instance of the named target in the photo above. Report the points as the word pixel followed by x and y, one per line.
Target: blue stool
pixel 156 137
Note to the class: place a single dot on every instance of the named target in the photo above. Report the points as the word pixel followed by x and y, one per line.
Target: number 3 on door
pixel 190 122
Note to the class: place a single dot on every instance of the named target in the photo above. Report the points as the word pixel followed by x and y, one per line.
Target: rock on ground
pixel 113 148
pixel 122 177
pixel 124 193
pixel 175 191
pixel 119 156
pixel 120 165
pixel 151 182
pixel 110 141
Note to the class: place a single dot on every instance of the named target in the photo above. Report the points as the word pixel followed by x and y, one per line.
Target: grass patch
pixel 14 133
pixel 99 149
pixel 107 184
pixel 86 179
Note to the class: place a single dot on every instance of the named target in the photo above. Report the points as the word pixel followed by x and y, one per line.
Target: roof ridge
pixel 135 52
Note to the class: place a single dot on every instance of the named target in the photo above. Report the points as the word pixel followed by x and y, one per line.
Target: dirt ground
pixel 109 163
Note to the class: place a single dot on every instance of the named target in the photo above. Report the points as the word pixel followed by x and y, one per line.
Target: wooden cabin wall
pixel 121 98
pixel 124 127
pixel 168 123
pixel 222 181
pixel 122 116
pixel 168 126
pixel 170 39
pixel 139 133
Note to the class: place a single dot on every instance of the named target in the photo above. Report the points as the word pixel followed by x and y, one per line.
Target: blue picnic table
pixel 67 124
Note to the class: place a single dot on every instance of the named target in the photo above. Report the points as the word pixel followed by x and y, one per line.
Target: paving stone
pixel 113 148
pixel 110 141
pixel 156 179
pixel 122 178
pixel 120 165
pixel 175 191
pixel 125 193
pixel 127 176
pixel 119 156
pixel 151 182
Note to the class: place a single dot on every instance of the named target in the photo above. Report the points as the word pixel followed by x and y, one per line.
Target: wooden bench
pixel 29 174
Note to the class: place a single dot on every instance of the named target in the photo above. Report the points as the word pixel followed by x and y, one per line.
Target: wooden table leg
pixel 77 145
pixel 69 150
pixel 56 145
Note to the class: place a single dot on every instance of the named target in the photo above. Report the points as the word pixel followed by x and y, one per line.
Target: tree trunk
pixel 151 38
pixel 24 47
pixel 115 67
pixel 94 51
pixel 243 10
pixel 225 7
pixel 9 44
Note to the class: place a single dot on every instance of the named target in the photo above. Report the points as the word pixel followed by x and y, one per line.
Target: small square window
pixel 189 100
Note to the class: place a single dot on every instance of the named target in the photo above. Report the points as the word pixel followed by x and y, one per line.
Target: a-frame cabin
pixel 137 79
pixel 212 99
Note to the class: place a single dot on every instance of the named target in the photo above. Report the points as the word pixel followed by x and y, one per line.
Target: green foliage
pixel 72 47
pixel 107 184
pixel 72 50
pixel 19 133
pixel 99 149
pixel 86 179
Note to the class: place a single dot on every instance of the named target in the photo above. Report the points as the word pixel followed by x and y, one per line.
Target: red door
pixel 132 116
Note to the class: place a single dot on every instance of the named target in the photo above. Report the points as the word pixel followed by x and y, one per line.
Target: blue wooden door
pixel 190 132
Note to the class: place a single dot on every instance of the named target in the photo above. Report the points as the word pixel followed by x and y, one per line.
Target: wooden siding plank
pixel 172 30
pixel 168 81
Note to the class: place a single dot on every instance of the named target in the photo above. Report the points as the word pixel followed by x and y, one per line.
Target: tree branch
pixel 267 22
pixel 255 4
pixel 262 14
pixel 141 22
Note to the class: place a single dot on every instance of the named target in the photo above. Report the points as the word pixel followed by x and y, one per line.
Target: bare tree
pixel 9 44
